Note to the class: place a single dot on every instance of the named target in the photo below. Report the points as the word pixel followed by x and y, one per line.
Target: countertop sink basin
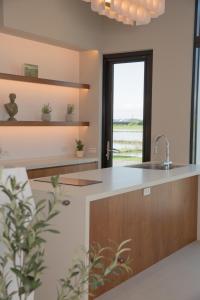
pixel 154 166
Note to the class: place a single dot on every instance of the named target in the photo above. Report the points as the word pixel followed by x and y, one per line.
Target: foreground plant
pixel 22 239
pixel 22 236
pixel 86 277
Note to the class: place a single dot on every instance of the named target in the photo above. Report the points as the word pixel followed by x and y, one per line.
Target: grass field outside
pixel 127 158
pixel 127 139
pixel 128 127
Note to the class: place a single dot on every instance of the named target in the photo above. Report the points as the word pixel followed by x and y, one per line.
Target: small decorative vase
pixel 79 154
pixel 70 117
pixel 46 117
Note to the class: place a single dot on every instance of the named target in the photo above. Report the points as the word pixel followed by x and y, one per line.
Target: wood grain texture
pixel 44 172
pixel 44 81
pixel 158 224
pixel 43 123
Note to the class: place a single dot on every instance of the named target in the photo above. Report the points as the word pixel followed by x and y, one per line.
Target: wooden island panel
pixel 158 224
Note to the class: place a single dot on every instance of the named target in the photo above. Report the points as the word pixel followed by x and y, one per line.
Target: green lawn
pixel 124 142
pixel 125 151
pixel 130 153
pixel 127 158
pixel 128 127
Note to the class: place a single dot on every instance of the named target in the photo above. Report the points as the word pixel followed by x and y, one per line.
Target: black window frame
pixel 108 61
pixel 195 85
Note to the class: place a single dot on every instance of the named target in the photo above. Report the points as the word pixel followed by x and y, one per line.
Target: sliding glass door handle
pixel 110 150
pixel 114 150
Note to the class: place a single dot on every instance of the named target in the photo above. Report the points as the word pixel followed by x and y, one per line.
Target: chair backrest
pixel 21 177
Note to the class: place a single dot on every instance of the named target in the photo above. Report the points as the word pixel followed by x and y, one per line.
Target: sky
pixel 128 90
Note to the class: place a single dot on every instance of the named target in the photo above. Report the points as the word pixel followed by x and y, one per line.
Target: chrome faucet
pixel 167 162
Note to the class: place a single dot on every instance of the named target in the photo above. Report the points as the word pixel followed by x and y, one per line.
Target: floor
pixel 174 278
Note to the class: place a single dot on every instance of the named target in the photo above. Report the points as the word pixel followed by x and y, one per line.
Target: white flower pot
pixel 70 117
pixel 46 117
pixel 79 154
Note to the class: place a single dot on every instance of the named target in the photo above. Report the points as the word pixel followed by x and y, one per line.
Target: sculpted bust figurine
pixel 11 107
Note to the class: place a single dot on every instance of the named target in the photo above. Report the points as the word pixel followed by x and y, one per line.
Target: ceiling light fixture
pixel 129 12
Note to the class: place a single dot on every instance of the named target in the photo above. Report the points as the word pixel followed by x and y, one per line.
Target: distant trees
pixel 129 122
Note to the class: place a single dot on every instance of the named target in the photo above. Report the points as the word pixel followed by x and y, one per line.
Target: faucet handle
pixel 156 139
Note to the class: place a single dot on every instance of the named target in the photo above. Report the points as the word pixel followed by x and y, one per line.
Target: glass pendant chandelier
pixel 130 12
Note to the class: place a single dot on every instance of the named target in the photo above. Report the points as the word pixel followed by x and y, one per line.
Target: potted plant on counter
pixel 46 112
pixel 79 149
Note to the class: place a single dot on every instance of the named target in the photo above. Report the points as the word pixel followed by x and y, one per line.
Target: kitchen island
pixel 156 209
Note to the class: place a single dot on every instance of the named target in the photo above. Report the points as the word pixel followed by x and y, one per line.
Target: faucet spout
pixel 167 162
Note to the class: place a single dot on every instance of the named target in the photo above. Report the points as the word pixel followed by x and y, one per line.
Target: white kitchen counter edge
pixel 120 180
pixel 41 163
pixel 136 187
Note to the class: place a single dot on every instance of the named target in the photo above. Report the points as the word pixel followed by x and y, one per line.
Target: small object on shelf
pixel 79 149
pixel 46 112
pixel 11 107
pixel 31 70
pixel 70 112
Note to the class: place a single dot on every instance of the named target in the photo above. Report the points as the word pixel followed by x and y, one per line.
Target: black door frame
pixel 107 105
pixel 195 86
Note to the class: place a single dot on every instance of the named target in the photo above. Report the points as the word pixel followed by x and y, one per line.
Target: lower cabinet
pixel 158 224
pixel 44 172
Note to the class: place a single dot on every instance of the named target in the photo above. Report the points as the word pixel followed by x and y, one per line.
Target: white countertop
pixel 45 162
pixel 120 180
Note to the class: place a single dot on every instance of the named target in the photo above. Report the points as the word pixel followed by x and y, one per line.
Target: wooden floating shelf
pixel 42 123
pixel 44 81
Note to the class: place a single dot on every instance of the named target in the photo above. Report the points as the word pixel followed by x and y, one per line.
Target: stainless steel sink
pixel 154 166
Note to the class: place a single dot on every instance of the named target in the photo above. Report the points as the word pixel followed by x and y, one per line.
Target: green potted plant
pixel 22 241
pixel 79 148
pixel 70 112
pixel 46 112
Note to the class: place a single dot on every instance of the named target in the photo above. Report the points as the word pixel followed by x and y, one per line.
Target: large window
pixel 127 99
pixel 195 112
pixel 128 107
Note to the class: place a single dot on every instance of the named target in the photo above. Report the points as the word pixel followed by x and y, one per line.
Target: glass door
pixel 127 109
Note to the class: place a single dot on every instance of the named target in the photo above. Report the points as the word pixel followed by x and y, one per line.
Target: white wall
pixel 54 63
pixel 1 13
pixel 66 22
pixel 90 102
pixel 171 38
